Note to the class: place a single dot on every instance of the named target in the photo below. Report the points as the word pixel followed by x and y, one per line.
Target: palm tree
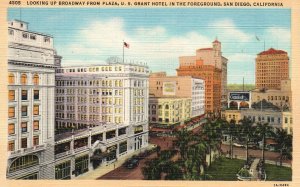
pixel 231 130
pixel 212 135
pixel 263 131
pixel 152 169
pixel 183 137
pixel 246 133
pixel 284 142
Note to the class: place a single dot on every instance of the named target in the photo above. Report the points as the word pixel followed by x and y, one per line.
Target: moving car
pixel 132 163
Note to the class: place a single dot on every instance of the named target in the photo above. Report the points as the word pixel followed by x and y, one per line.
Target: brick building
pixel 272 66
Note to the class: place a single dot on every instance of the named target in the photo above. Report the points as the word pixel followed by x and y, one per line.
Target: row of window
pixel 23 80
pixel 104 83
pixel 11 143
pixel 31 36
pixel 97 69
pixel 24 95
pixel 24 111
pixel 24 127
pixel 92 91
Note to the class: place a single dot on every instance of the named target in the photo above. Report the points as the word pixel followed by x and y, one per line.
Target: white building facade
pixel 31 86
pixel 101 115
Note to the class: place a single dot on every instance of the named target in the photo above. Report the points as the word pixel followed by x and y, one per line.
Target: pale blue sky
pixel 159 36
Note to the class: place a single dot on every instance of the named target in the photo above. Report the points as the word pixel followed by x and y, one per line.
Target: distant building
pixel 101 115
pixel 230 115
pixel 212 77
pixel 31 86
pixel 161 85
pixel 282 97
pixel 210 56
pixel 262 112
pixel 272 66
pixel 274 118
pixel 169 110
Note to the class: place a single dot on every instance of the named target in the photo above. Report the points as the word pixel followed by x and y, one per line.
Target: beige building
pixel 272 66
pixel 277 119
pixel 210 56
pixel 161 85
pixel 281 98
pixel 169 110
pixel 229 115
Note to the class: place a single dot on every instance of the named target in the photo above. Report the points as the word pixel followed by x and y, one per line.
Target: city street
pixel 166 143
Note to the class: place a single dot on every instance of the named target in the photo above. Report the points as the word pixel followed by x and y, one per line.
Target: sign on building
pixel 169 88
pixel 239 96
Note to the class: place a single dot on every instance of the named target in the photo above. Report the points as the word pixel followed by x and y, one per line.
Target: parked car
pixel 238 145
pixel 132 163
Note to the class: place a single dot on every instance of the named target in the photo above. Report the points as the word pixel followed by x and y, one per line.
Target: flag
pixel 257 38
pixel 126 45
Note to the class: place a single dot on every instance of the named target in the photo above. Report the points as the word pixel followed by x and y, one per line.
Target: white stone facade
pixel 107 105
pixel 31 86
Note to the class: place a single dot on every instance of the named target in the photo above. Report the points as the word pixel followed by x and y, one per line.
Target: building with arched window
pixel 36 79
pixel 31 78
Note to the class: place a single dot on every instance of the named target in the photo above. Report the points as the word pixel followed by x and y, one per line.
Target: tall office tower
pixel 272 66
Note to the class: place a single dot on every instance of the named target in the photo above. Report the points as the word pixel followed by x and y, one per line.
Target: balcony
pixel 26 151
pixel 62 154
pixel 81 149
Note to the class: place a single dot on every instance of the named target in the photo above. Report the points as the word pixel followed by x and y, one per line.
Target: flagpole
pixel 123 51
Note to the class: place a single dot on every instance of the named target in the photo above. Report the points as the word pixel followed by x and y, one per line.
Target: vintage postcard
pixel 149 93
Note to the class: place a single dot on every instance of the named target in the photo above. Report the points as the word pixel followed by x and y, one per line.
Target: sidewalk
pixel 253 169
pixel 106 168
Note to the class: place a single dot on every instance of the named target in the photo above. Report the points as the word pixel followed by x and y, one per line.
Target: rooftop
pixel 204 49
pixel 272 51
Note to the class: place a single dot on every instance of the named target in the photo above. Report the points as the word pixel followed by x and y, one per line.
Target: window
pixel 46 39
pixel 11 145
pixel 11 112
pixel 32 36
pixel 24 95
pixel 36 110
pixel 11 32
pixel 24 127
pixel 36 125
pixel 25 35
pixel 11 95
pixel 122 131
pixel 11 78
pixel 23 79
pixel 11 128
pixel 63 170
pixel 24 161
pixel 110 134
pixel 36 94
pixel 36 140
pixel 24 143
pixel 285 120
pixel 122 147
pixel 36 79
pixel 24 110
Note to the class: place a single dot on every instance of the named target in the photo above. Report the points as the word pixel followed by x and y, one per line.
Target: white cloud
pixel 227 30
pixel 102 39
pixel 150 32
pixel 279 37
